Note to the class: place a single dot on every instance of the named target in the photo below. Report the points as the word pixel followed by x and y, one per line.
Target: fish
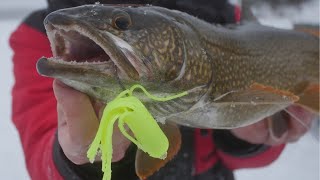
pixel 234 75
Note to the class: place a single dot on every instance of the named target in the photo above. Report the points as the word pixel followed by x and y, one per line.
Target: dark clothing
pixel 204 155
pixel 217 11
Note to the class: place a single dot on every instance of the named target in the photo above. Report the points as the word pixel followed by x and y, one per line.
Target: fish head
pixel 100 49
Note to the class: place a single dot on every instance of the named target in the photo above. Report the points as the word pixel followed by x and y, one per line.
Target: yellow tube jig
pixel 129 110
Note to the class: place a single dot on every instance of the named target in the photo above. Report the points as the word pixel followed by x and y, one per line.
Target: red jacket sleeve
pixel 221 146
pixel 34 106
pixel 235 153
pixel 259 160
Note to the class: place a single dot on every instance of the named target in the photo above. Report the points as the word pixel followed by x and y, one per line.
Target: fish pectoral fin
pixel 237 108
pixel 146 165
pixel 245 107
pixel 258 94
pixel 309 99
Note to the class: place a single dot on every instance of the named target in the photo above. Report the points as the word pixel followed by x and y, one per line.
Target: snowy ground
pixel 299 161
pixel 11 159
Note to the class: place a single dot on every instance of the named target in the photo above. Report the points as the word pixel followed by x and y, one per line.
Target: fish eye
pixel 121 21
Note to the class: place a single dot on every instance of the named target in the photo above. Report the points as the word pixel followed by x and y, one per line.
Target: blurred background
pixel 299 161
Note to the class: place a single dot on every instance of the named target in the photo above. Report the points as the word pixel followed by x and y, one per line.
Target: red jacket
pixel 34 114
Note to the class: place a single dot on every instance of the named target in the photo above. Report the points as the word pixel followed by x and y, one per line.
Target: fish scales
pixel 234 75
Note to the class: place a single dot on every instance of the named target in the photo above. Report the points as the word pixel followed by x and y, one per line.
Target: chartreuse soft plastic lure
pixel 129 110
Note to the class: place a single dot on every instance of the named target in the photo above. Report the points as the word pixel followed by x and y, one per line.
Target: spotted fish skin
pixel 168 51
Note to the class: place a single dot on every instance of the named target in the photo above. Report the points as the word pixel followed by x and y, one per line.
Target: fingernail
pixel 276 139
pixel 278 124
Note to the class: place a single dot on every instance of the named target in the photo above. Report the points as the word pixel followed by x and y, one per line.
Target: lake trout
pixel 234 75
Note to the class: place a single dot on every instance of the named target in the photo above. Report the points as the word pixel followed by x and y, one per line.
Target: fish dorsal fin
pixel 309 99
pixel 237 108
pixel 146 165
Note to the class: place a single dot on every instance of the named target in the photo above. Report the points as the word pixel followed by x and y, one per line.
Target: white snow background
pixel 299 161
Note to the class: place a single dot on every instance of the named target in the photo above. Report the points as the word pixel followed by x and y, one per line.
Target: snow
pixel 12 165
pixel 14 9
pixel 299 161
pixel 14 4
pixel 285 16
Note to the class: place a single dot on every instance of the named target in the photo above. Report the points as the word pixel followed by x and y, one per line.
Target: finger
pixel 76 112
pixel 276 139
pixel 256 133
pixel 278 128
pixel 300 122
pixel 120 144
pixel 98 108
pixel 278 124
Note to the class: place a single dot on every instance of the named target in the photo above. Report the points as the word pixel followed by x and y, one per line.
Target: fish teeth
pixel 60 61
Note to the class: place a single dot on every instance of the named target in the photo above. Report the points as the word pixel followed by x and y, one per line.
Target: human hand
pixel 78 122
pixel 262 133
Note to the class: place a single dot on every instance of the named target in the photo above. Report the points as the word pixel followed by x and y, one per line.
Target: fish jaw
pixel 91 51
pixel 85 58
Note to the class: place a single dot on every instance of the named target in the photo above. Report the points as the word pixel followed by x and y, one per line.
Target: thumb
pixel 76 116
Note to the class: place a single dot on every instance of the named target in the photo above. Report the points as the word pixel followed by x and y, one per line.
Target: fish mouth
pixel 83 53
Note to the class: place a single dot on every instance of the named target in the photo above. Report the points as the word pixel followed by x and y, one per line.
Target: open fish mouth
pixel 79 49
pixel 72 46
